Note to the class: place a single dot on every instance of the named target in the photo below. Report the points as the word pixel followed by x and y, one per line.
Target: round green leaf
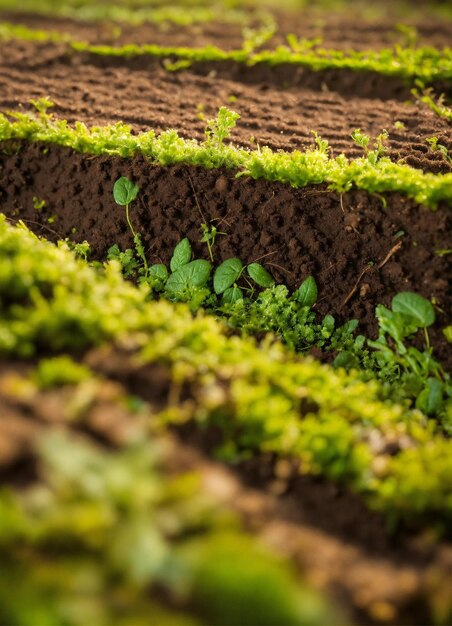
pixel 414 306
pixel 226 274
pixel 124 191
pixel 181 255
pixel 193 274
pixel 260 275
pixel 232 294
pixel 307 292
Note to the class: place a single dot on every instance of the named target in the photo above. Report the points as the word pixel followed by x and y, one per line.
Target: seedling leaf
pixel 158 272
pixel 227 274
pixel 181 255
pixel 232 294
pixel 430 399
pixel 307 293
pixel 418 309
pixel 260 275
pixel 124 191
pixel 193 274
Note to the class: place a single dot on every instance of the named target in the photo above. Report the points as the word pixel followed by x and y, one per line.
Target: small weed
pixel 219 129
pixel 38 204
pixel 124 193
pixel 209 236
pixel 438 147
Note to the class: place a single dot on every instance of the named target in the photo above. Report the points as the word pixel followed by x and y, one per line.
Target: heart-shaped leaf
pixel 181 255
pixel 124 191
pixel 227 274
pixel 158 271
pixel 193 274
pixel 232 294
pixel 414 306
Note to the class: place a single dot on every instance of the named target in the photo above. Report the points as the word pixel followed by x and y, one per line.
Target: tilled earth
pixel 360 252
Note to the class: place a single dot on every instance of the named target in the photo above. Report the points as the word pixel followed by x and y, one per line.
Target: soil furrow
pixel 158 100
pixel 300 231
pixel 338 32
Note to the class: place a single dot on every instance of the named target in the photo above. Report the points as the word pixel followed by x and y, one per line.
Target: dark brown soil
pixel 92 90
pixel 299 232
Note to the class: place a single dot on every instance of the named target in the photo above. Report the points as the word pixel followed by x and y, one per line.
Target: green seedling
pixel 176 66
pixel 409 34
pixel 209 235
pixel 255 38
pixel 124 193
pixel 411 312
pixel 38 204
pixel 219 129
pixel 81 250
pixel 436 104
pixel 307 293
pixel 438 147
pixel 379 148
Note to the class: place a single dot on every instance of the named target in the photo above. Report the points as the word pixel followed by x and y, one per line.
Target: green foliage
pixel 422 64
pixel 102 529
pixel 414 307
pixel 406 370
pixel 226 275
pixel 427 97
pixel 438 147
pixel 373 156
pixel 219 129
pixel 260 275
pixel 127 13
pixel 307 292
pixel 373 173
pixel 260 397
pixel 181 255
pixel 193 275
pixel 124 191
pixel 81 250
pixel 57 371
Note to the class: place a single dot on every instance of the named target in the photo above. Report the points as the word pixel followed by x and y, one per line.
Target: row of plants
pixel 262 398
pixel 154 14
pixel 246 296
pixel 374 172
pixel 424 65
pixel 105 536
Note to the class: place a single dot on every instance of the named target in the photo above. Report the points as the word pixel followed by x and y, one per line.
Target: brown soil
pixel 97 92
pixel 337 32
pixel 299 232
pixel 343 548
pixel 373 578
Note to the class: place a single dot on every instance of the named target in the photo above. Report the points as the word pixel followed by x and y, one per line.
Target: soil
pixel 373 577
pixel 341 546
pixel 101 91
pixel 297 231
pixel 338 32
